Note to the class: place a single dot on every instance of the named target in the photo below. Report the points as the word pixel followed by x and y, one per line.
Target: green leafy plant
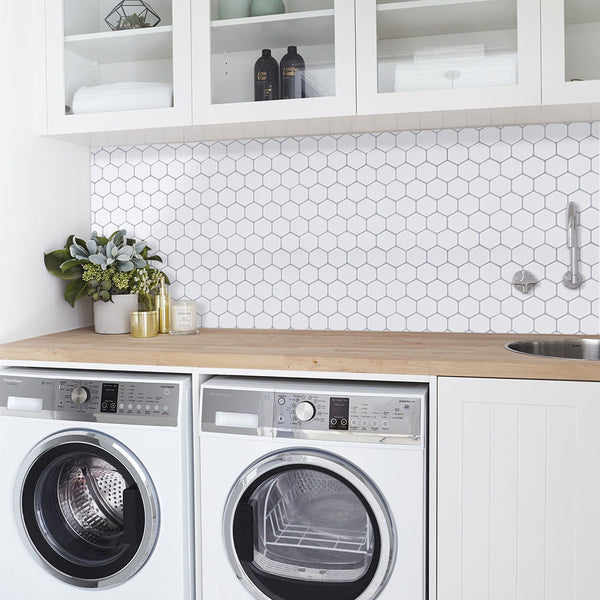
pixel 132 21
pixel 102 267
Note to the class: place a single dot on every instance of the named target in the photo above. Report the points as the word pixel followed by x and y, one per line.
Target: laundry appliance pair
pixel 303 488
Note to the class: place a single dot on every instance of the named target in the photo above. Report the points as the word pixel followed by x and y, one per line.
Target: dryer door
pixel 304 523
pixel 88 508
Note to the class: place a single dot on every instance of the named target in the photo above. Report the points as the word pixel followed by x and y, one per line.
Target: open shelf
pixel 438 17
pixel 273 31
pixel 123 46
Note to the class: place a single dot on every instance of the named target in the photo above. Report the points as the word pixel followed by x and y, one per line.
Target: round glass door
pixel 88 508
pixel 306 523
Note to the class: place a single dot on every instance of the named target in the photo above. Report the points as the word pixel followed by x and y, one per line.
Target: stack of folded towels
pixel 445 67
pixel 129 95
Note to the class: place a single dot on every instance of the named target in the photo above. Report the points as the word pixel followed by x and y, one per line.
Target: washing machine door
pixel 304 523
pixel 87 508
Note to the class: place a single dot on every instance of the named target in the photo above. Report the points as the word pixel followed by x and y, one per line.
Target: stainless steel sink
pixel 581 348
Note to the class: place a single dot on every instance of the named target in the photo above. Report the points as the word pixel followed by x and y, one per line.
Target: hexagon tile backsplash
pixel 399 231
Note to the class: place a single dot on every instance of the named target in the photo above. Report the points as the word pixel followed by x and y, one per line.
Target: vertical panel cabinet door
pixel 144 62
pixel 518 489
pixel 435 55
pixel 227 45
pixel 570 51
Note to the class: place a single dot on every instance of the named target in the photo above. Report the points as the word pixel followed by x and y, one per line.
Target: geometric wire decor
pixel 132 14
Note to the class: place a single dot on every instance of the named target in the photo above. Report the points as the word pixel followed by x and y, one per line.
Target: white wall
pixel 44 188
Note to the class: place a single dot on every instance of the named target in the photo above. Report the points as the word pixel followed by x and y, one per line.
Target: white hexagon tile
pixel 390 231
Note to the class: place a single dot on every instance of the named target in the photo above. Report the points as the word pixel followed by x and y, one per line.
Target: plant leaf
pixel 75 290
pixel 117 237
pixel 53 262
pixel 72 269
pixel 125 266
pixel 98 259
pixel 139 263
pixel 102 241
pixel 125 253
pixel 155 257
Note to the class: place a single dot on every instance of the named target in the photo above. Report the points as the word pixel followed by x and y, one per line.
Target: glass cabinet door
pixel 265 60
pixel 570 51
pixel 117 64
pixel 421 55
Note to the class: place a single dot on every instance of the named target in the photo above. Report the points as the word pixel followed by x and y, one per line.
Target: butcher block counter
pixel 390 353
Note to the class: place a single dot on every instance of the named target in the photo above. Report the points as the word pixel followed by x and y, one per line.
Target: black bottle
pixel 292 75
pixel 266 77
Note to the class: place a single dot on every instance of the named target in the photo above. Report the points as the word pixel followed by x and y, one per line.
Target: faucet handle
pixel 524 280
pixel 572 279
pixel 571 225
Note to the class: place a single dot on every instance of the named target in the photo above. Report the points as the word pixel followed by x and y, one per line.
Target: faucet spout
pixel 572 279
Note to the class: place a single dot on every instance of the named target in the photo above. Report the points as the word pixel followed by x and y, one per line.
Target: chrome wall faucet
pixel 572 279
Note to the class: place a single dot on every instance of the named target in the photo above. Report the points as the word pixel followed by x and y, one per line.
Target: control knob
pixel 305 411
pixel 80 395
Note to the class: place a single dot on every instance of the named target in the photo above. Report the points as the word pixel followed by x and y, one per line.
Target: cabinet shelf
pixel 123 46
pixel 438 17
pixel 275 31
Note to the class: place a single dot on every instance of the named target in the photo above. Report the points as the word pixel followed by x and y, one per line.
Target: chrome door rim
pixel 309 457
pixel 138 473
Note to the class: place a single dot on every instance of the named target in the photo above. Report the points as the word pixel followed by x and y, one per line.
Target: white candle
pixel 183 317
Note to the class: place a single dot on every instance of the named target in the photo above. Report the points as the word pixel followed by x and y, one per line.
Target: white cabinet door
pixel 518 489
pixel 570 51
pixel 437 55
pixel 83 51
pixel 225 51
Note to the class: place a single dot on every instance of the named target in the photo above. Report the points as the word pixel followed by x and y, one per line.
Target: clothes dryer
pixel 312 489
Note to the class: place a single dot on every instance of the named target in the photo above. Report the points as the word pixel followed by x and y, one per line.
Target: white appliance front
pixel 394 472
pixel 164 453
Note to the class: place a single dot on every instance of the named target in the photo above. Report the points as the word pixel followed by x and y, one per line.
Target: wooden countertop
pixel 452 354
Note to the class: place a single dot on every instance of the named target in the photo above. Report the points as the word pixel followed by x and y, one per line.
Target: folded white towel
pixel 456 72
pixel 130 95
pixel 445 52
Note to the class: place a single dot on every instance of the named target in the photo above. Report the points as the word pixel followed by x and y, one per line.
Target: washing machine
pixel 95 491
pixel 311 489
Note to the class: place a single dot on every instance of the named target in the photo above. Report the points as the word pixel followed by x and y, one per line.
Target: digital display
pixel 339 409
pixel 109 397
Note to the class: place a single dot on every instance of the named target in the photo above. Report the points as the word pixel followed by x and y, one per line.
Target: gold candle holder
pixel 144 324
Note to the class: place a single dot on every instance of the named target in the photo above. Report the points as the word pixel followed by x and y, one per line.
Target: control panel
pixel 90 399
pixel 119 398
pixel 380 414
pixel 362 411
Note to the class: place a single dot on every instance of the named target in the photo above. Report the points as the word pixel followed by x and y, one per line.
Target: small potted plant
pixel 113 271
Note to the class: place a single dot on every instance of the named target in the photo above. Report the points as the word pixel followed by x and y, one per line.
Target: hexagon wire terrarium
pixel 132 14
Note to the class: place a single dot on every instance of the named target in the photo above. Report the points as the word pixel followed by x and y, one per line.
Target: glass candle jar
pixel 183 317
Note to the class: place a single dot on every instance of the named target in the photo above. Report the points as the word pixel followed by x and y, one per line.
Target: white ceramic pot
pixel 115 316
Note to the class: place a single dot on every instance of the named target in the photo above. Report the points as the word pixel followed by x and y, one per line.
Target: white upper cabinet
pixel 225 51
pixel 570 51
pixel 136 76
pixel 196 66
pixel 434 55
